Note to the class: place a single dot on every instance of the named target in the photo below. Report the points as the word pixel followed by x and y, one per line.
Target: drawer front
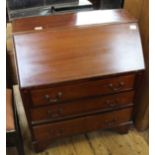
pixel 81 125
pixel 79 107
pixel 81 90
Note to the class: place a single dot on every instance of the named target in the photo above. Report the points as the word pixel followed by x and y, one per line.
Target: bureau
pixel 78 72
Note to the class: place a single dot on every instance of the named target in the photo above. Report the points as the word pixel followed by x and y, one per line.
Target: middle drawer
pixel 79 107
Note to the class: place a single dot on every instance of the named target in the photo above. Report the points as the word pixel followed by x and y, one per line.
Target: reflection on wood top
pixel 75 53
pixel 72 19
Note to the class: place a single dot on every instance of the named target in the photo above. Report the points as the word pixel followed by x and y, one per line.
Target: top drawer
pixel 80 90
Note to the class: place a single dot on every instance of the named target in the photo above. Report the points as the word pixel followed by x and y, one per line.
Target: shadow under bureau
pixel 78 72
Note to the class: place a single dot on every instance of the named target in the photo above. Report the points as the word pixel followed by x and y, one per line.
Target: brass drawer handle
pixel 55 114
pixel 52 114
pixel 53 100
pixel 59 95
pixel 116 88
pixel 47 97
pixel 112 103
pixel 110 123
pixel 60 111
pixel 56 132
pixel 57 99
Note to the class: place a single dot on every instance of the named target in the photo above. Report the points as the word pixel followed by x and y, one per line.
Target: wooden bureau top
pixel 78 52
pixel 72 19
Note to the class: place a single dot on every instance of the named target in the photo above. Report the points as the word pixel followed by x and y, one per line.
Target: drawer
pixel 80 107
pixel 82 125
pixel 81 90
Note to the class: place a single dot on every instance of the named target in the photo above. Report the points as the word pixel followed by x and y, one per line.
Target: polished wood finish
pixel 71 60
pixel 81 125
pixel 71 20
pixel 82 90
pixel 100 142
pixel 140 10
pixel 73 74
pixel 79 107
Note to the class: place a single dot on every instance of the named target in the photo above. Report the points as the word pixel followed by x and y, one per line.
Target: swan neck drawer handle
pixel 57 99
pixel 116 88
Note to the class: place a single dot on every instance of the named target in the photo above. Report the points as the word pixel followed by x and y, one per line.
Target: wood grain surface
pixel 62 64
pixel 89 88
pixel 95 143
pixel 74 53
pixel 72 19
pixel 70 109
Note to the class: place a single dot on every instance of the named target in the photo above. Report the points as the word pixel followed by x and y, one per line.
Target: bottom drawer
pixel 81 125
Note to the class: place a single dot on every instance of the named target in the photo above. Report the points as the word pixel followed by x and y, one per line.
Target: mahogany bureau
pixel 78 72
